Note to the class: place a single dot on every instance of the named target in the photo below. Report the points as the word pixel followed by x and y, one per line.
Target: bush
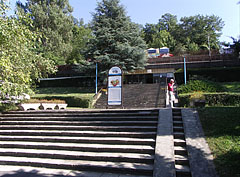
pixel 72 101
pixel 213 99
pixel 223 99
pixel 200 85
pixel 7 107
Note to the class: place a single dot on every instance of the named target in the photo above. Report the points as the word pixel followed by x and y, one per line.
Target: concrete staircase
pixel 120 142
pixel 138 96
pixel 182 165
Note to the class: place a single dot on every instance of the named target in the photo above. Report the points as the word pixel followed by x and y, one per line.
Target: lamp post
pixel 239 18
pixel 185 70
pixel 96 71
pixel 209 47
pixel 96 89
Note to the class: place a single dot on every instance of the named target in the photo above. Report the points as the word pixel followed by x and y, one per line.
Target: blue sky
pixel 149 11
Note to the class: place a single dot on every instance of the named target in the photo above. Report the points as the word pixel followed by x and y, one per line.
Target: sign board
pixel 115 86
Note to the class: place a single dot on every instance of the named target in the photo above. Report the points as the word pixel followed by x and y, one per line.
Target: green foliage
pixel 81 35
pixel 191 33
pixel 236 46
pixel 200 85
pixel 7 107
pixel 73 96
pixel 197 96
pixel 68 91
pixel 199 27
pixel 54 20
pixel 117 40
pixel 224 99
pixel 20 65
pixel 162 39
pixel 213 99
pixel 221 127
pixel 180 49
pixel 72 101
pixel 233 87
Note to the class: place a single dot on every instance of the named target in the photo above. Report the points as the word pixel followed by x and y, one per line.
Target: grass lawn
pixel 231 86
pixel 222 130
pixel 76 97
pixel 65 91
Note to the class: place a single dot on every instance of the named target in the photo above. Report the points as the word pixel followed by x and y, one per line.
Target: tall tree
pixel 117 40
pixel 54 20
pixel 149 31
pixel 20 65
pixel 164 33
pixel 202 30
pixel 192 32
pixel 163 39
pixel 236 46
pixel 167 22
pixel 81 35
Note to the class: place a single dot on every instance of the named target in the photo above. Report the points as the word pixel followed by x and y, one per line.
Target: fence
pixel 191 58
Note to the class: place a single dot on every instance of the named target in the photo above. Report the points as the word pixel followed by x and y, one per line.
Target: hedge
pixel 200 85
pixel 213 99
pixel 72 101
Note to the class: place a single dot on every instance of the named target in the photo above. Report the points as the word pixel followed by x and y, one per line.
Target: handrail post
pixel 185 72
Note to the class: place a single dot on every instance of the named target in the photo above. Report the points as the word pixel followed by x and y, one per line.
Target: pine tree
pixel 54 20
pixel 117 40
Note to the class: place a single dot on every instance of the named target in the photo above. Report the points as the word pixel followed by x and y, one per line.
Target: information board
pixel 115 86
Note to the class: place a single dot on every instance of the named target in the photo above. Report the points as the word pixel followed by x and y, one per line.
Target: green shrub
pixel 213 99
pixel 200 85
pixel 72 101
pixel 7 107
pixel 184 100
pixel 224 99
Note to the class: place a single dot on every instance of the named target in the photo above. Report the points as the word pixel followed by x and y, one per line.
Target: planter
pixel 29 106
pixel 61 106
pixel 47 106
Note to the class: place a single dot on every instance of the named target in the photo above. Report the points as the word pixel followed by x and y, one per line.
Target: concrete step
pixel 78 133
pixel 76 123
pixel 183 171
pixel 26 171
pixel 178 129
pixel 176 114
pixel 176 109
pixel 83 128
pixel 130 168
pixel 79 113
pixel 113 118
pixel 179 135
pixel 177 118
pixel 90 140
pixel 139 96
pixel 179 142
pixel 79 147
pixel 181 160
pixel 78 155
pixel 121 142
pixel 178 123
pixel 179 150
